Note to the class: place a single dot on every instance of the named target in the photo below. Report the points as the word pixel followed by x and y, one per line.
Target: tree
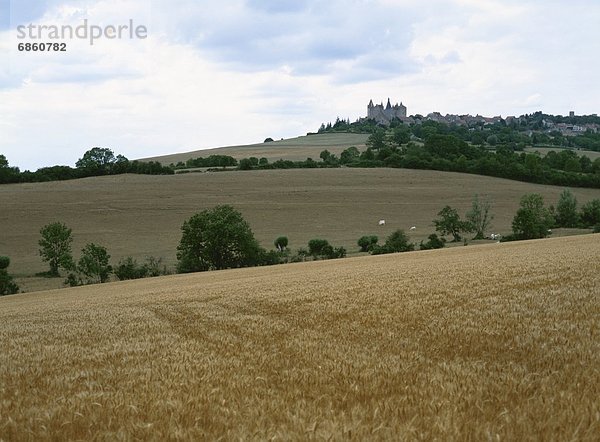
pixel 376 140
pixel 590 213
pixel 7 285
pixel 281 243
pixel 55 247
pixel 366 243
pixel 479 217
pixel 401 135
pixel 434 242
pixel 319 247
pixel 98 159
pixel 93 263
pixel 566 210
pixel 215 239
pixel 397 242
pixel 532 220
pixel 450 223
pixel 328 157
pixel 349 155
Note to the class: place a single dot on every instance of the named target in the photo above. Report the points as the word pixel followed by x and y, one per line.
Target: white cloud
pixel 215 74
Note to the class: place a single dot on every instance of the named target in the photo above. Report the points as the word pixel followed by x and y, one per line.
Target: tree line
pixel 220 238
pixel 97 161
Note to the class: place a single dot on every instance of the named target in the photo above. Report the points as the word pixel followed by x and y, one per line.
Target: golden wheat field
pixel 141 215
pixel 495 342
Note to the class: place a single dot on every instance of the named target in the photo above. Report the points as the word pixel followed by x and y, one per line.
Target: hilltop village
pixel 384 115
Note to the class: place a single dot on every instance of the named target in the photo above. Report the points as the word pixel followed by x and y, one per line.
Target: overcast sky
pixel 215 73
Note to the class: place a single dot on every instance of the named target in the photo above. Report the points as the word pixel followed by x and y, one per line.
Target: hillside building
pixel 384 115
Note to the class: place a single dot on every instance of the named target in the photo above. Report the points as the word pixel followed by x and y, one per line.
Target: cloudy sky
pixel 213 73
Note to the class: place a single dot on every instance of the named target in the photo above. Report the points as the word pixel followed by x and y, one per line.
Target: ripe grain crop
pixel 495 342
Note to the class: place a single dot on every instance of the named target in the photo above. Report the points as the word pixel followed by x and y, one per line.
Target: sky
pixel 216 73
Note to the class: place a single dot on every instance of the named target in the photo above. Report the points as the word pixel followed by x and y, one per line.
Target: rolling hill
pixel 140 215
pixel 294 149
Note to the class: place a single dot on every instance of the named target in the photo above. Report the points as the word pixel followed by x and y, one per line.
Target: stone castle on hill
pixel 384 115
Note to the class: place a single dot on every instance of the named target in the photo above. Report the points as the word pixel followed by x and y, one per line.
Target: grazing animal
pixel 495 236
pixel 413 228
pixel 382 222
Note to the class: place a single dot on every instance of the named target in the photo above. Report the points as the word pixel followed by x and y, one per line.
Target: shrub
pixel 7 285
pixel 281 243
pixel 367 242
pixel 4 262
pixel 318 247
pixel 129 268
pixel 395 243
pixel 590 213
pixel 434 242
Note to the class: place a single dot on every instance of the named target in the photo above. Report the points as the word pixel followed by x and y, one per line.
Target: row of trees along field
pixel 492 150
pixel 444 152
pixel 220 238
pixel 95 162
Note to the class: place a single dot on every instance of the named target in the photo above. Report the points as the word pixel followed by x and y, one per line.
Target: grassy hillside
pixel 134 215
pixel 294 149
pixel 495 342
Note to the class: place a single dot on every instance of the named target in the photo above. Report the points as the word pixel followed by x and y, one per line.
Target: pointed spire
pixel 370 103
pixel 389 105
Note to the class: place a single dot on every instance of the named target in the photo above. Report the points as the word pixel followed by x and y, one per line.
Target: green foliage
pixel 479 217
pixel 590 213
pixel 434 242
pixel 397 242
pixel 377 140
pixel 532 220
pixel 401 135
pixel 129 268
pixel 215 239
pixel 566 210
pixel 349 155
pixel 55 247
pixel 268 140
pixel 281 243
pixel 245 164
pixel 320 248
pixel 98 160
pixel 93 264
pixel 450 223
pixel 212 161
pixel 367 242
pixel 329 158
pixel 7 285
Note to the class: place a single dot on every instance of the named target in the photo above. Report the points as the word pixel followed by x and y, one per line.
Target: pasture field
pixel 592 155
pixel 141 215
pixel 294 149
pixel 496 342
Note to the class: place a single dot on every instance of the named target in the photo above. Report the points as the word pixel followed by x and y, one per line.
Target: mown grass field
pixel 294 149
pixel 497 342
pixel 135 215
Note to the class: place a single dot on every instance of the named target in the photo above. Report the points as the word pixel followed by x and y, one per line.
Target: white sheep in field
pixel 495 236
pixel 382 222
pixel 413 228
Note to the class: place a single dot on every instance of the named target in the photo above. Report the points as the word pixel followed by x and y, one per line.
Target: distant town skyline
pixel 212 74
